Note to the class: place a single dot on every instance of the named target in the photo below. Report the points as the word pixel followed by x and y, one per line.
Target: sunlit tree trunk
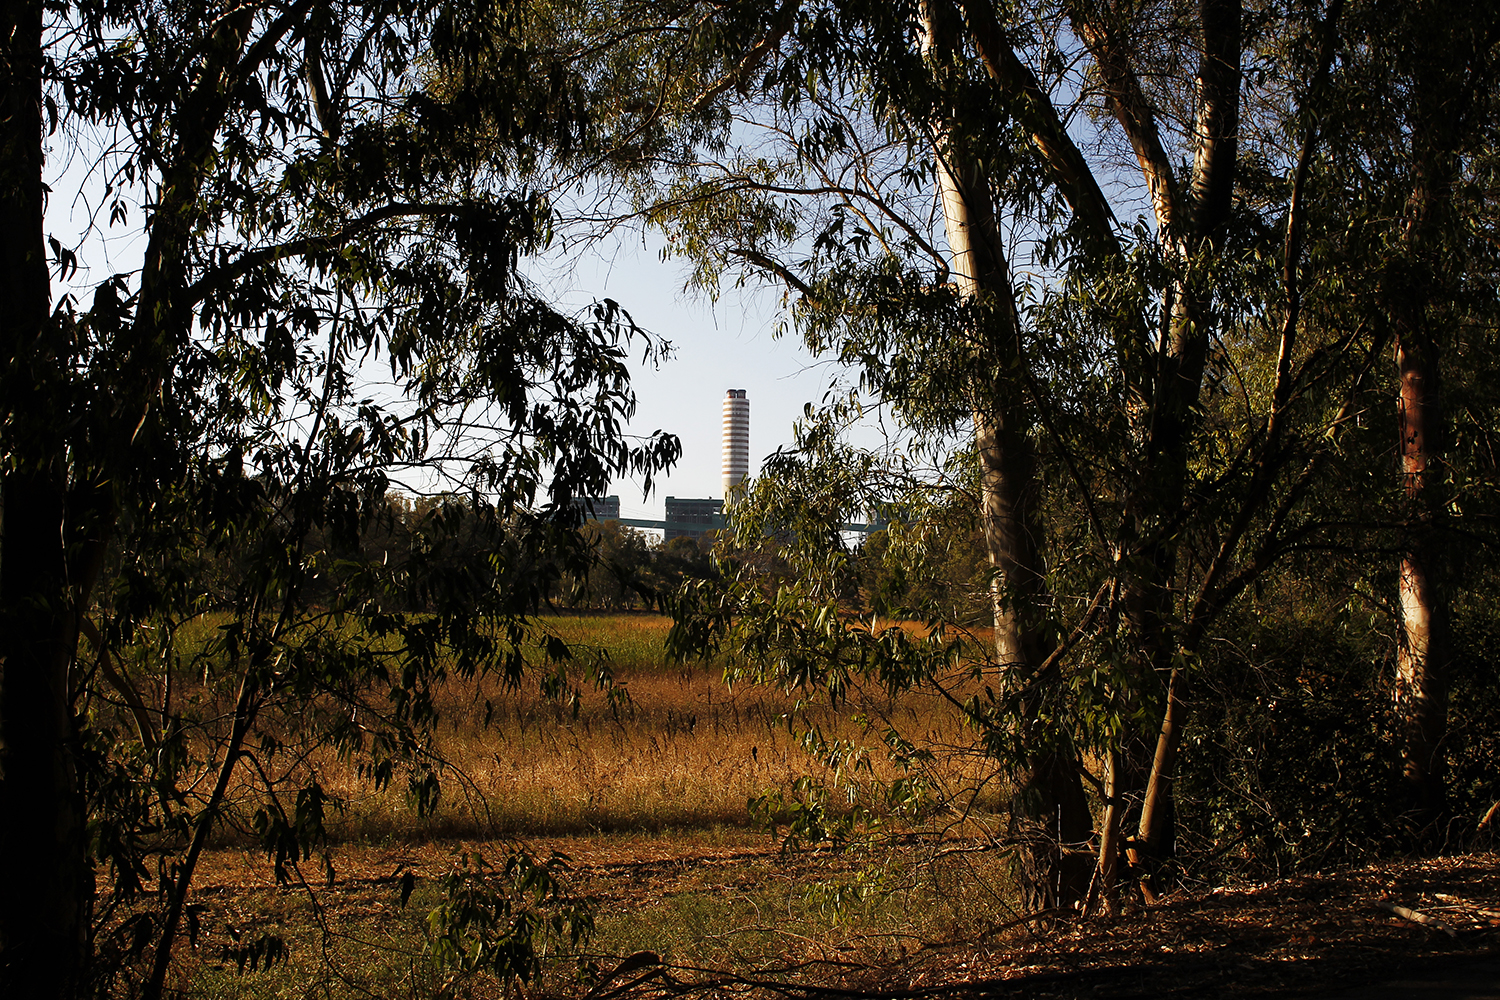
pixel 1052 813
pixel 1422 644
pixel 1450 57
pixel 1007 463
pixel 1422 649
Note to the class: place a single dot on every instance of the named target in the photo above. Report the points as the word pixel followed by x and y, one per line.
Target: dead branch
pixel 133 699
pixel 1417 917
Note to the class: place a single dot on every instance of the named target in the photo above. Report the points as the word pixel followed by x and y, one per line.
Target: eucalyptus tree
pixel 830 191
pixel 1413 159
pixel 1159 379
pixel 310 212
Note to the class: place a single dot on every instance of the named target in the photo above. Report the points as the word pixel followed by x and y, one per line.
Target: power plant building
pixel 692 518
pixel 599 508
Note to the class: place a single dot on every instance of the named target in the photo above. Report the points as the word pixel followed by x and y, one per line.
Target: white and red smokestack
pixel 736 464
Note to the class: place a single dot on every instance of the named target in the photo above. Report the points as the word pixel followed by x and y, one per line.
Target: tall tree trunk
pixel 1422 643
pixel 1051 810
pixel 1422 649
pixel 1190 220
pixel 1453 71
pixel 47 889
pixel 1209 191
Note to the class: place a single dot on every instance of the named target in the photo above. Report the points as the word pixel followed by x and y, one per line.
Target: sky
pixel 730 343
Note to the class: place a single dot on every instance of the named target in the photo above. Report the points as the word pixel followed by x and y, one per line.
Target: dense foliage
pixel 1152 364
pixel 325 193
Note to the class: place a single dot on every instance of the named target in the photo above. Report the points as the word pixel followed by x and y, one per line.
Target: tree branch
pixel 1036 111
pixel 1296 222
pixel 133 699
pixel 222 277
pixel 1132 109
pixel 785 17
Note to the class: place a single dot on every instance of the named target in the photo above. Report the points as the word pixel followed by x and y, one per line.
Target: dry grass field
pixel 647 795
pixel 647 799
pixel 681 751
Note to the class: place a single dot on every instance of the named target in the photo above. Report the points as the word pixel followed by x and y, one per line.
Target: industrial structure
pixel 735 465
pixel 686 517
pixel 691 517
pixel 599 508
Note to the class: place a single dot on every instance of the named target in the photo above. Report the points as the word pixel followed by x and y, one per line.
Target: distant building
pixel 735 462
pixel 599 508
pixel 692 518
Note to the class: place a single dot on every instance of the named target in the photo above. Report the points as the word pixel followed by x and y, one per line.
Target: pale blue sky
pixel 717 345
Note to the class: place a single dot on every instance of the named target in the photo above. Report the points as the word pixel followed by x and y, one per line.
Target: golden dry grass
pixel 649 796
pixel 675 748
pixel 684 750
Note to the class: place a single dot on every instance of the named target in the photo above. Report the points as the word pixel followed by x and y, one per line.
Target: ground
pixel 1312 937
pixel 1301 937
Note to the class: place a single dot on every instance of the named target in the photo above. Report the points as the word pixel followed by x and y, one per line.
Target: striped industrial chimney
pixel 736 464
